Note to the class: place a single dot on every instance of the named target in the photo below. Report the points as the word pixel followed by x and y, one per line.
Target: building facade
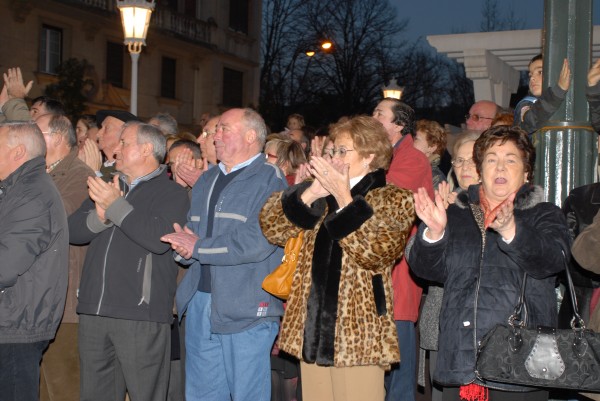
pixel 202 56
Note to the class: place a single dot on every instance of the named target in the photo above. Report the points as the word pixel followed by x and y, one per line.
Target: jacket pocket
pixel 379 294
pixel 147 280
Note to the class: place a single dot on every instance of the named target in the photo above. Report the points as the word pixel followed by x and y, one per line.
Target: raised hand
pixel 564 79
pixel 13 79
pixel 594 74
pixel 182 240
pixel 316 146
pixel 186 169
pixel 433 214
pixel 502 220
pixel 103 193
pixel 90 155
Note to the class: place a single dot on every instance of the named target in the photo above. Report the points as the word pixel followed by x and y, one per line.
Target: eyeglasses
pixel 462 162
pixel 476 117
pixel 206 134
pixel 339 151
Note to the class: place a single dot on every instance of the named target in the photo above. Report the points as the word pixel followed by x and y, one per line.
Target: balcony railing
pixel 185 27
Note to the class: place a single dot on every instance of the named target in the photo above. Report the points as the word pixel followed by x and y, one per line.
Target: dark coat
pixel 482 274
pixel 34 251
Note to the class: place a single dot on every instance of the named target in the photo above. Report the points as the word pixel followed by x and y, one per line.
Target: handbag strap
pixel 515 319
pixel 576 322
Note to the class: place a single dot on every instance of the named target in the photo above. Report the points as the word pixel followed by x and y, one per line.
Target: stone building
pixel 201 55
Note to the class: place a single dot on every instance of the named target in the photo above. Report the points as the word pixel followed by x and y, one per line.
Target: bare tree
pixel 491 19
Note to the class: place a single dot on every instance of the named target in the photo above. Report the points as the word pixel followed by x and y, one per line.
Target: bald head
pixel 481 115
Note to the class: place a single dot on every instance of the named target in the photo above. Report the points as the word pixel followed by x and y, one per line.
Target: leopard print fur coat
pixel 340 310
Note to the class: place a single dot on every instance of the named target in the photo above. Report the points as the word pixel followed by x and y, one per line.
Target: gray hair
pixel 165 122
pixel 27 134
pixel 253 120
pixel 148 133
pixel 61 125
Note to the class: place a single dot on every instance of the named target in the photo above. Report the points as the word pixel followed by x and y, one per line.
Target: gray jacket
pixel 34 255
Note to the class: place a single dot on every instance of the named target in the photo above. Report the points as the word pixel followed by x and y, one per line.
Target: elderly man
pixel 128 280
pixel 60 366
pixel 34 246
pixel 481 115
pixel 231 322
pixel 409 169
pixel 110 122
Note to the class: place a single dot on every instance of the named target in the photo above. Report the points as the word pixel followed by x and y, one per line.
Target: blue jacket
pixel 239 255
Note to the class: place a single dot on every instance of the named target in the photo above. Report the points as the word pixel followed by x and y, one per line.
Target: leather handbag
pixel 543 356
pixel 279 281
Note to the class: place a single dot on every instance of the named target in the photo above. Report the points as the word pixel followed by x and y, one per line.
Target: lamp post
pixel 393 90
pixel 135 16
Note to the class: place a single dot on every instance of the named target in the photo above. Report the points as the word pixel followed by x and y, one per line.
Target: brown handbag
pixel 279 281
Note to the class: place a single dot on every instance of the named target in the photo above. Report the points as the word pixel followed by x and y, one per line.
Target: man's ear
pixel 398 128
pixel 251 136
pixel 147 149
pixel 19 152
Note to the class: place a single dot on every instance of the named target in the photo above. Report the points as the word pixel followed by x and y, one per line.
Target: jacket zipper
pixel 483 237
pixel 104 270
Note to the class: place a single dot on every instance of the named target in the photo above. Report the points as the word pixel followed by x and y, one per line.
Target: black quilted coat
pixel 482 275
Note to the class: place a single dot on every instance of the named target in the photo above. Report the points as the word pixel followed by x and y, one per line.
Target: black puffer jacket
pixel 482 275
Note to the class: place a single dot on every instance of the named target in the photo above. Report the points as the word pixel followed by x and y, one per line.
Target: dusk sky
pixel 437 17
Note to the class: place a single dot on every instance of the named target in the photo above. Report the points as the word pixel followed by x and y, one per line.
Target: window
pixel 238 15
pixel 233 87
pixel 114 63
pixel 50 49
pixel 189 8
pixel 168 77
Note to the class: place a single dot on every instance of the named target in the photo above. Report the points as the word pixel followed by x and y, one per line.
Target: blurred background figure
pixel 164 122
pixel 86 128
pixel 431 140
pixel 287 155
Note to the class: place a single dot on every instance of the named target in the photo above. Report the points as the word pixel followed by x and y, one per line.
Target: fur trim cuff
pixel 349 219
pixel 297 212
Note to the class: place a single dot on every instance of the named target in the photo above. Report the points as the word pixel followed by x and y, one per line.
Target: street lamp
pixel 135 15
pixel 393 90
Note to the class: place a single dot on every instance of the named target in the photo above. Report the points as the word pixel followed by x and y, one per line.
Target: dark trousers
pixel 116 354
pixel 20 371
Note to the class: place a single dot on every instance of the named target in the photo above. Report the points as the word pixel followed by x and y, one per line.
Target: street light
pixel 393 90
pixel 135 16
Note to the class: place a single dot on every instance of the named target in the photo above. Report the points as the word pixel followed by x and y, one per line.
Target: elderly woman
pixel 339 318
pixel 480 249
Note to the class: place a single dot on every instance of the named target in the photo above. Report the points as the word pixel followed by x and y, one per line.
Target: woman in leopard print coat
pixel 339 318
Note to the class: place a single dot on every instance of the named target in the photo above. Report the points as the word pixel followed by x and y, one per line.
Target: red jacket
pixel 410 169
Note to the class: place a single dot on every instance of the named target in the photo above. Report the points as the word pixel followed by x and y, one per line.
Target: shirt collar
pixel 238 166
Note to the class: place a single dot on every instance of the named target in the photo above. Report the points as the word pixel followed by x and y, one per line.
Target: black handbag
pixel 541 357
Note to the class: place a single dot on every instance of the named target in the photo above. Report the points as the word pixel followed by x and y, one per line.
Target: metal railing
pixel 186 27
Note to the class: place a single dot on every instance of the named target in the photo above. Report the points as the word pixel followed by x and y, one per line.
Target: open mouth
pixel 500 181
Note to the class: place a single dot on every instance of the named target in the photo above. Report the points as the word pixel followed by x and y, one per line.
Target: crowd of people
pixel 133 254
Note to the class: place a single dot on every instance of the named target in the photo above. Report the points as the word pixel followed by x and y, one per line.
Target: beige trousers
pixel 356 383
